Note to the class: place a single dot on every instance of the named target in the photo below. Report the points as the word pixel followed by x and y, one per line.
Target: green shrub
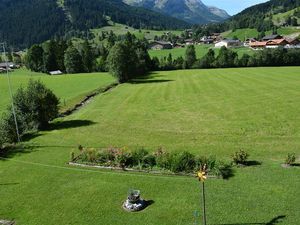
pixel 149 161
pixel 138 156
pixel 290 159
pixel 240 157
pixel 91 154
pixel 183 162
pixel 124 159
pixel 210 163
pixel 163 158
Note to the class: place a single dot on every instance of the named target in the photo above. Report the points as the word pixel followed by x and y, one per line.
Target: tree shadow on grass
pixel 274 221
pixel 253 163
pixel 61 125
pixel 10 151
pixel 8 184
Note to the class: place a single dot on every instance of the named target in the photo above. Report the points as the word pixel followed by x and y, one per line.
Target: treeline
pixel 228 58
pixel 124 56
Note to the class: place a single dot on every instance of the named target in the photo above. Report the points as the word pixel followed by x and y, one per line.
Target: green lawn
pixel 71 89
pixel 208 112
pixel 201 50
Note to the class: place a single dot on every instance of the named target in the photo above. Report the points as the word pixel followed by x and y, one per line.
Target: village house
pixel 269 44
pixel 272 37
pixel 228 43
pixel 206 40
pixel 248 41
pixel 159 45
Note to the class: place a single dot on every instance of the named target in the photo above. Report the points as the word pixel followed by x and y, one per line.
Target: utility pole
pixel 10 92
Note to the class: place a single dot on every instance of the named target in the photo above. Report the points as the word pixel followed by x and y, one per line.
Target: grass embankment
pixel 71 89
pixel 208 112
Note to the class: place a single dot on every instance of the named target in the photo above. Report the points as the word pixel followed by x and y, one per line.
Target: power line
pixel 10 92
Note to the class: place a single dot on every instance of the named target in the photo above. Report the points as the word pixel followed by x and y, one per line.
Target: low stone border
pixel 6 222
pixel 155 172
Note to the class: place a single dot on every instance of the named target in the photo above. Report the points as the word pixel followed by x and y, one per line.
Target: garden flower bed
pixel 157 162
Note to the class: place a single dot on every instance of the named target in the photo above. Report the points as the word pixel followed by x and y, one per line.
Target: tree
pixel 208 60
pixel 122 62
pixel 73 61
pixel 34 59
pixel 88 57
pixel 190 56
pixel 50 62
pixel 35 106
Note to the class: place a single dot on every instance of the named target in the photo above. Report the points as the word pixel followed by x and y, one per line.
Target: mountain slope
pixel 24 22
pixel 192 11
pixel 260 16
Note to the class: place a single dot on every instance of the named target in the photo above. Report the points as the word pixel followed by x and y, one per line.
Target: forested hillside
pixel 25 22
pixel 260 16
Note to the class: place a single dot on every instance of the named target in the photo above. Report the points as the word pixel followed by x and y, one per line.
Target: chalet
pixel 159 45
pixel 276 43
pixel 228 43
pixel 272 37
pixel 248 41
pixel 56 72
pixel 258 44
pixel 293 41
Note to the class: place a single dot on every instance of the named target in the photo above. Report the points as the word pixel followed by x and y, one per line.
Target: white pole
pixel 11 95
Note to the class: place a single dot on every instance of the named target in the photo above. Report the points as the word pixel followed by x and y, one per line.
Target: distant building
pixel 10 65
pixel 272 37
pixel 228 43
pixel 207 40
pixel 275 43
pixel 258 44
pixel 248 41
pixel 189 41
pixel 56 72
pixel 159 45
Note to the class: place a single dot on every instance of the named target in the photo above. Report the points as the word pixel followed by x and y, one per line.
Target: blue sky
pixel 232 6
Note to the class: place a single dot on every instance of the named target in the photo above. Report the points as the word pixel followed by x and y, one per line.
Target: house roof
pixel 258 44
pixel 277 42
pixel 271 37
pixel 231 41
pixel 8 63
pixel 161 43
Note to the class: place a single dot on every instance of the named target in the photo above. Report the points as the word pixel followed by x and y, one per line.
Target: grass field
pixel 121 29
pixel 201 50
pixel 208 112
pixel 69 88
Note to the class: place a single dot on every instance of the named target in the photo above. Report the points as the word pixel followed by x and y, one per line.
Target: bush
pixel 210 163
pixel 149 161
pixel 138 156
pixel 163 158
pixel 183 162
pixel 124 159
pixel 290 159
pixel 240 157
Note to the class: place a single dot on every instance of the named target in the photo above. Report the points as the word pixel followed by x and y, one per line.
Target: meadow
pixel 201 51
pixel 207 112
pixel 70 89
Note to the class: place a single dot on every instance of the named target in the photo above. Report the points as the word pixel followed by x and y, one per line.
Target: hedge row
pixel 141 159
